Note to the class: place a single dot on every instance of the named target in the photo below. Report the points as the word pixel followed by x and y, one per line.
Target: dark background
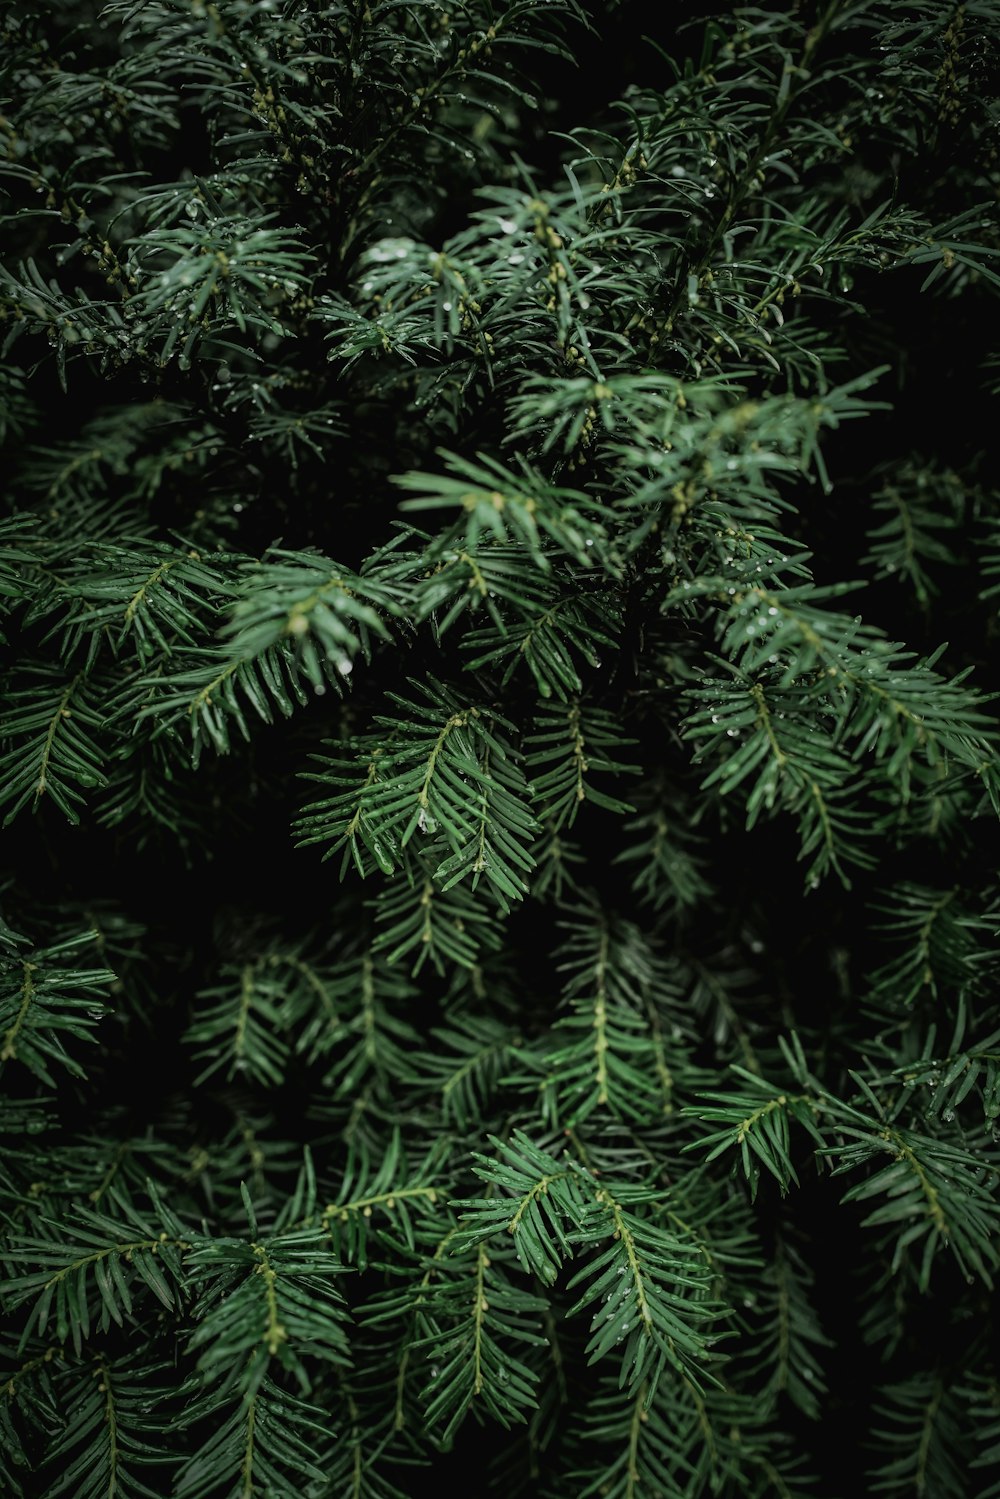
pixel 938 396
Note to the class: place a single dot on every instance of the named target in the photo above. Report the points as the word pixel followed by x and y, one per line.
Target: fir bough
pixel 498 966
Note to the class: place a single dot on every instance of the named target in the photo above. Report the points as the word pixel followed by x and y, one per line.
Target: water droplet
pixel 507 226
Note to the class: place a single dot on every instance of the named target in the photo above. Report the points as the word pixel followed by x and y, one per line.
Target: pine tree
pixel 499 756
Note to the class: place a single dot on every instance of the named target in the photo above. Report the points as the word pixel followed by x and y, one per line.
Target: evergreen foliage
pixel 499 755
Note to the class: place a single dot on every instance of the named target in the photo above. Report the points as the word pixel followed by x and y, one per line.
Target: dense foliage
pixel 498 754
